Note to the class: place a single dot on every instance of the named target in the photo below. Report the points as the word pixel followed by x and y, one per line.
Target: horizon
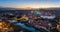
pixel 28 7
pixel 30 3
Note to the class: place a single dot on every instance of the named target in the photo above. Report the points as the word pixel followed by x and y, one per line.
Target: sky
pixel 30 3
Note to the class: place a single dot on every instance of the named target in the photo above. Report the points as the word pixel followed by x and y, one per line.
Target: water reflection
pixel 25 27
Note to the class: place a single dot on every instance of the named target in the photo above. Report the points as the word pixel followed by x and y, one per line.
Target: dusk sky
pixel 30 3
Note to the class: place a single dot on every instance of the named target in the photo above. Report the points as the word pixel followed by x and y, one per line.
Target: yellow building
pixel 24 17
pixel 58 26
pixel 4 27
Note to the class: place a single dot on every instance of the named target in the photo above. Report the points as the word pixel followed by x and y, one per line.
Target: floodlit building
pixel 24 17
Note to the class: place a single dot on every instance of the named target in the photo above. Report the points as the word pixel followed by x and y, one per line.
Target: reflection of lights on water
pixel 12 21
pixel 21 31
